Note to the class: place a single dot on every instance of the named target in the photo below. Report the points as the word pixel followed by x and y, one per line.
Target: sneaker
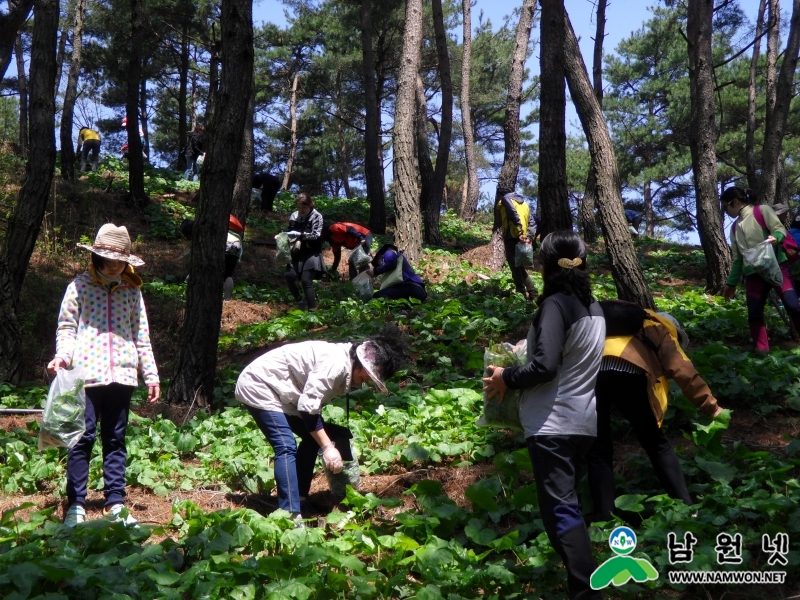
pixel 301 304
pixel 117 513
pixel 75 514
pixel 298 521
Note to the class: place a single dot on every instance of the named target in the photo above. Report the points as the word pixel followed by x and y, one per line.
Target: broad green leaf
pixel 719 472
pixel 630 502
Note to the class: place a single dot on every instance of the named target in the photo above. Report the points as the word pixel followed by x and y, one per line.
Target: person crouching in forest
pixel 519 227
pixel 642 352
pixel 400 281
pixel 557 405
pixel 305 235
pixel 112 356
pixel 286 388
pixel 746 233
pixel 351 236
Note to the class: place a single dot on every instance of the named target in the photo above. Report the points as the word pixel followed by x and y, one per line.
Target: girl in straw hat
pixel 102 328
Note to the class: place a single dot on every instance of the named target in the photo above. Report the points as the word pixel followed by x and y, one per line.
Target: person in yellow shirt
pixel 89 141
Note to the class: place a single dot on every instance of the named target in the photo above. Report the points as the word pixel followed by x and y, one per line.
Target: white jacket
pixel 296 377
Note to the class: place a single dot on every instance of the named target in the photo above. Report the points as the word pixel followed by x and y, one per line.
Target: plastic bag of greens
pixel 523 255
pixel 358 257
pixel 362 284
pixel 503 415
pixel 338 482
pixel 283 255
pixel 63 421
pixel 762 258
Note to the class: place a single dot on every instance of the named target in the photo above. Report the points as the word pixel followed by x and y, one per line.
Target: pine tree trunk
pixel 26 220
pixel 432 204
pixel 71 95
pixel 183 85
pixel 243 188
pixel 773 39
pixel 553 196
pixel 702 143
pixel 586 215
pixel 469 203
pixel 62 48
pixel 135 160
pixel 507 181
pixel 777 118
pixel 196 362
pixel 625 267
pixel 22 86
pixel 373 163
pixel 10 24
pixel 750 143
pixel 287 174
pixel 344 163
pixel 649 214
pixel 408 231
pixel 426 172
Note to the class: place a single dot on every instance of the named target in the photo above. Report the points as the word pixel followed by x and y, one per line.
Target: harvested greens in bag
pixel 283 255
pixel 338 482
pixel 505 415
pixel 63 421
pixel 359 258
pixel 362 284
pixel 523 255
pixel 762 258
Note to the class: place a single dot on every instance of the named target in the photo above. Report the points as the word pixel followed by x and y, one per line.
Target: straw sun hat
pixel 114 243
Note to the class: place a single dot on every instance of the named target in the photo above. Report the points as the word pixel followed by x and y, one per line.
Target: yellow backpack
pixel 523 210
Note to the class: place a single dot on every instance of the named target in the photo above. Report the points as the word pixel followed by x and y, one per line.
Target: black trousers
pixel 522 281
pixel 628 392
pixel 559 463
pixel 306 278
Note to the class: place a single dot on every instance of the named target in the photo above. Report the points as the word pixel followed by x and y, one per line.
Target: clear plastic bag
pixel 523 255
pixel 505 415
pixel 762 258
pixel 362 284
pixel 63 421
pixel 359 258
pixel 283 255
pixel 338 482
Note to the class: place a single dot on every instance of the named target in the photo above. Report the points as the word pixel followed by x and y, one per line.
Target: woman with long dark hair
pixel 557 406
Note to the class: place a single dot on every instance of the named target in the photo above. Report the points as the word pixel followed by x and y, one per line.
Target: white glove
pixel 293 234
pixel 332 458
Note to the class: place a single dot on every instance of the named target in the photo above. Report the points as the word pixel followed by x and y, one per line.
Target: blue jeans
pixel 191 167
pixel 294 465
pixel 110 404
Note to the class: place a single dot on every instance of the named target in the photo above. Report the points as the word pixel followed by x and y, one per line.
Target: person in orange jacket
pixel 351 236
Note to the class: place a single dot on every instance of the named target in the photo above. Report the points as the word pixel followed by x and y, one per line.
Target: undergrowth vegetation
pixel 427 545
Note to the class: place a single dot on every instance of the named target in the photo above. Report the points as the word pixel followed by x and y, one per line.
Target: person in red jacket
pixel 351 236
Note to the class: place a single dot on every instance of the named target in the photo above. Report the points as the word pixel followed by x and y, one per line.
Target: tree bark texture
pixel 22 87
pixel 196 362
pixel 773 39
pixel 553 197
pixel 344 169
pixel 702 143
pixel 469 203
pixel 408 228
pixel 10 25
pixel 62 48
pixel 71 95
pixel 26 220
pixel 586 215
pixel 750 136
pixel 135 159
pixel 433 202
pixel 426 172
pixel 507 181
pixel 243 188
pixel 776 120
pixel 287 174
pixel 373 163
pixel 183 85
pixel 625 267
